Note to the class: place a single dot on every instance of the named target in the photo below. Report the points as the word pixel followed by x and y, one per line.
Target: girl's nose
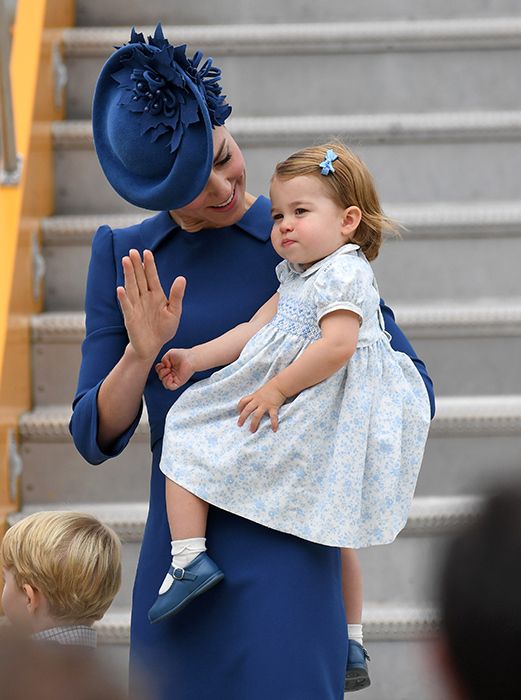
pixel 286 224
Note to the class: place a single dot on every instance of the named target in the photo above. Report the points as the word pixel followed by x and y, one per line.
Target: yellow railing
pixel 36 39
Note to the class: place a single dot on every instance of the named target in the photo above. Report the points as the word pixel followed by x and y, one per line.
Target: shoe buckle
pixel 174 573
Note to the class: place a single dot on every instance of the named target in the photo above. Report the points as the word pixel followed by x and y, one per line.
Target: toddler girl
pixel 337 419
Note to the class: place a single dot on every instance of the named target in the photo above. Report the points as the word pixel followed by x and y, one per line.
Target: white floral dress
pixel 342 467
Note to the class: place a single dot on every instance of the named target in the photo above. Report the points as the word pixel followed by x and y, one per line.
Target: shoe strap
pixel 179 574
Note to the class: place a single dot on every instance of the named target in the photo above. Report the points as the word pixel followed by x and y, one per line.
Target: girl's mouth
pixel 228 204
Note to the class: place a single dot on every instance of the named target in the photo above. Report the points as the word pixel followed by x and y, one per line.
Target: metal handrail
pixel 10 170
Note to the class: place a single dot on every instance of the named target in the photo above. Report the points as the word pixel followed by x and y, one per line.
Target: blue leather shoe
pixel 199 576
pixel 357 674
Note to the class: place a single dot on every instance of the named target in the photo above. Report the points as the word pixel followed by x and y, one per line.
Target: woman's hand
pixel 150 318
pixel 176 368
pixel 267 399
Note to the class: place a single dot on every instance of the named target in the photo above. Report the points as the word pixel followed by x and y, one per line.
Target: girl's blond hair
pixel 73 559
pixel 351 184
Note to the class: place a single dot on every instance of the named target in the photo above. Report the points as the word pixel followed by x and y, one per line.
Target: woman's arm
pixel 400 343
pixel 178 364
pixel 108 402
pixel 319 361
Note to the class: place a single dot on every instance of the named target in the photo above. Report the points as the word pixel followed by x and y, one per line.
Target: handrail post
pixel 11 167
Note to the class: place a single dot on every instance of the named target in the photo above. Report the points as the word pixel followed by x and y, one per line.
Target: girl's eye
pixel 277 217
pixel 300 211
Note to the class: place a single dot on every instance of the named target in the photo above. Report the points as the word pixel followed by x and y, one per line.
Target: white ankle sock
pixel 355 633
pixel 183 553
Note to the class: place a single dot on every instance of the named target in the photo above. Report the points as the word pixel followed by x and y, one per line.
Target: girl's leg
pixel 193 574
pixel 187 514
pixel 357 676
pixel 352 586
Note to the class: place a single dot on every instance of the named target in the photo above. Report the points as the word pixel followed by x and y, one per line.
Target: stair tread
pixel 496 315
pixel 428 515
pixel 361 128
pixel 469 219
pixel 318 37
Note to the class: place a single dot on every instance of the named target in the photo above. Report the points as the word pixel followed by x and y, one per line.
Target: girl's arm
pixel 227 347
pixel 319 361
pixel 178 364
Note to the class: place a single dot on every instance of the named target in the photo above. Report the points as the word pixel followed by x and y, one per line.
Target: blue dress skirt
pixel 275 628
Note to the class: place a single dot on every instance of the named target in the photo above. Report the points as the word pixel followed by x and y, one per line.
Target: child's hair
pixel 351 184
pixel 71 558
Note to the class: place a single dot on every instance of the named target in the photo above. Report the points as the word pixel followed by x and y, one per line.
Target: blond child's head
pixel 70 563
pixel 348 183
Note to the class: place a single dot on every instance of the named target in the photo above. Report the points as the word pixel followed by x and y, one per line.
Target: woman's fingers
pixel 150 270
pixel 131 287
pixel 175 299
pixel 139 272
pixel 126 306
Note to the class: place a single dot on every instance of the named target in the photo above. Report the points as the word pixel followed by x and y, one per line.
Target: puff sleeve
pixel 342 285
pixel 103 347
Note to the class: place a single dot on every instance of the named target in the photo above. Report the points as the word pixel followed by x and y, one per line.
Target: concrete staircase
pixel 429 94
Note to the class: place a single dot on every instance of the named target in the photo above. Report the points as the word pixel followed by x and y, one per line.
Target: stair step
pixel 468 347
pixel 402 571
pixel 471 439
pixel 432 53
pixel 405 152
pixel 100 13
pixel 447 220
pixel 315 37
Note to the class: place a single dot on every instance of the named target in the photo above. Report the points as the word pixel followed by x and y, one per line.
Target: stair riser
pixel 55 472
pixel 340 82
pixel 399 669
pixel 406 270
pixel 98 12
pixel 458 366
pixel 401 571
pixel 411 172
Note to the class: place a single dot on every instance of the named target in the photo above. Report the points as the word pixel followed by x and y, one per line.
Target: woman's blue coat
pixel 275 628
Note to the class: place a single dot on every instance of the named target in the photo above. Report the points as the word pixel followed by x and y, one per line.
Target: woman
pixel 275 627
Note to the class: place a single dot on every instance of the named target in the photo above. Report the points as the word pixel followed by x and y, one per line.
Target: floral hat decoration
pixel 153 115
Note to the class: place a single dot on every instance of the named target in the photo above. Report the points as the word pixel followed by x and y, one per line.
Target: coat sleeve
pixel 400 343
pixel 104 344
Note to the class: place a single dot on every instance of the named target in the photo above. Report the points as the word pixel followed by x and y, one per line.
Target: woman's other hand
pixel 150 318
pixel 175 368
pixel 267 399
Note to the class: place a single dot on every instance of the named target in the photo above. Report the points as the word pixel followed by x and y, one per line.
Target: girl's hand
pixel 267 399
pixel 150 318
pixel 176 368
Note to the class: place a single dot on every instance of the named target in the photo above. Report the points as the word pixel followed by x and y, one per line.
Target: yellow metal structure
pixel 37 35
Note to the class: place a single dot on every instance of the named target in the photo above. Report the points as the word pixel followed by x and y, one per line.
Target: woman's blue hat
pixel 153 114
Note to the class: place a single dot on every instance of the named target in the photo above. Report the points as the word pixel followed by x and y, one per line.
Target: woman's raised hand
pixel 151 319
pixel 176 368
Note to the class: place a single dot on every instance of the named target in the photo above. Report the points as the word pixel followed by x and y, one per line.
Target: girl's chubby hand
pixel 176 368
pixel 267 399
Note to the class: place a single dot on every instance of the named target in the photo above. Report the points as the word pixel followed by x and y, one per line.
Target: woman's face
pixel 223 201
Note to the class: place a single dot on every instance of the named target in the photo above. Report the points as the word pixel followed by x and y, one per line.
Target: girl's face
pixel 224 199
pixel 308 224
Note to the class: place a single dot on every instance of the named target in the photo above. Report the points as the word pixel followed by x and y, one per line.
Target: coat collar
pixel 256 222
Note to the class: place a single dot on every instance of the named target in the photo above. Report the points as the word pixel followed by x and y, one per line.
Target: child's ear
pixel 33 598
pixel 351 220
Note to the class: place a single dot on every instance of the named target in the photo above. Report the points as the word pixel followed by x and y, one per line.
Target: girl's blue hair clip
pixel 327 163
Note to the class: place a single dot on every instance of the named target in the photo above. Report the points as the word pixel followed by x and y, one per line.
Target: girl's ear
pixel 350 220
